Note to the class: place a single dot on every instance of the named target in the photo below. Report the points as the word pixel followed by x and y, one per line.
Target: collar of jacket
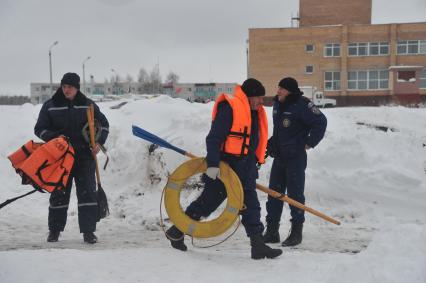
pixel 59 99
pixel 291 98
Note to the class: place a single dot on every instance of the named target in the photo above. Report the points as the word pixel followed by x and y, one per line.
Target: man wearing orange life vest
pixel 238 136
pixel 65 114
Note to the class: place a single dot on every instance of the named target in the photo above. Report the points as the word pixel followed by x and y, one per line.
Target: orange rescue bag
pixel 46 166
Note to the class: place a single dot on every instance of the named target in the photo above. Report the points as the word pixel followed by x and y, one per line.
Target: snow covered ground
pixel 373 181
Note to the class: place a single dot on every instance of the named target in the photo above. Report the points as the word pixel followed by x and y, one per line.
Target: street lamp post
pixel 247 57
pixel 114 86
pixel 50 64
pixel 84 75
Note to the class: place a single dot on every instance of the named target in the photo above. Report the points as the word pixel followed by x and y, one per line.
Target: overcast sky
pixel 201 41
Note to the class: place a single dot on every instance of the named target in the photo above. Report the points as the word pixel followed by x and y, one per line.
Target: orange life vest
pixel 46 166
pixel 238 140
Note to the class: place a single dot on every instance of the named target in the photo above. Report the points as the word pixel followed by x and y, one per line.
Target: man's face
pixel 255 102
pixel 69 91
pixel 282 94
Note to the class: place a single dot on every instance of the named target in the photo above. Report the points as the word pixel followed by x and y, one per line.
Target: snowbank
pixel 372 180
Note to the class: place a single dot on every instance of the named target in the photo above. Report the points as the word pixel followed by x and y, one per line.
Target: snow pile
pixel 368 172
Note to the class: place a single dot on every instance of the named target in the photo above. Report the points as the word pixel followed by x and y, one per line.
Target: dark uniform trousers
pixel 214 194
pixel 83 174
pixel 287 176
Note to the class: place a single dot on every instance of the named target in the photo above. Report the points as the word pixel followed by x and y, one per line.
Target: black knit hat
pixel 253 87
pixel 290 84
pixel 71 79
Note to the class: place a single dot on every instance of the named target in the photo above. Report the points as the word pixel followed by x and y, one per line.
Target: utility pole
pixel 50 65
pixel 84 75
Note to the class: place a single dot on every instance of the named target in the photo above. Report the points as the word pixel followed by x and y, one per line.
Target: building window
pixel 383 48
pixel 406 76
pixel 309 69
pixel 332 80
pixel 383 79
pixel 352 80
pixel 332 50
pixel 368 49
pixel 353 49
pixel 423 79
pixel 309 48
pixel 368 79
pixel 373 48
pixel 362 49
pixel 411 47
pixel 422 46
pixel 373 80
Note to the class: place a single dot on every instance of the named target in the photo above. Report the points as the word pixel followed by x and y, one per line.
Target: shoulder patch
pixel 315 110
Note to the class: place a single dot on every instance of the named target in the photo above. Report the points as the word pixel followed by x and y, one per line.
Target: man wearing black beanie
pixel 238 136
pixel 66 114
pixel 298 126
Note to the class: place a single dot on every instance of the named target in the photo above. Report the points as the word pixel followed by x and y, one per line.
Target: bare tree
pixel 115 78
pixel 172 78
pixel 142 76
pixel 129 78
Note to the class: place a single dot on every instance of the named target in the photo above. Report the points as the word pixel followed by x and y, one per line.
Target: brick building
pixel 339 51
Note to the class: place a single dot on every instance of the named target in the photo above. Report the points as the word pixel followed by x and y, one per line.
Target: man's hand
pixel 270 148
pixel 213 172
pixel 96 149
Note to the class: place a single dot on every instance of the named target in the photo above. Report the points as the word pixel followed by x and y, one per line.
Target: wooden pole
pixel 286 199
pixel 297 204
pixel 91 122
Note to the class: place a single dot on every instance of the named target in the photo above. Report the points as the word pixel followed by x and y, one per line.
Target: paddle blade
pixel 102 203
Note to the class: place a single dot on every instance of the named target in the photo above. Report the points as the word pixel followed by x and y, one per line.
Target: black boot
pixel 176 238
pixel 272 235
pixel 295 236
pixel 53 236
pixel 90 238
pixel 259 250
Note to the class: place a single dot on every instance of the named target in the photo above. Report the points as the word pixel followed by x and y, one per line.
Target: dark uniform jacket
pixel 297 122
pixel 60 116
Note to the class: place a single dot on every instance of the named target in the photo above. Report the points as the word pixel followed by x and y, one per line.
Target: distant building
pixel 40 92
pixel 337 50
pixel 201 92
pixel 14 100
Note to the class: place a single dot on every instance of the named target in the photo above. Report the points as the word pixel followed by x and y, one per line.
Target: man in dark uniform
pixel 298 126
pixel 65 114
pixel 238 136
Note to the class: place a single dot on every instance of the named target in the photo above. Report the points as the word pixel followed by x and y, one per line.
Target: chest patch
pixel 286 123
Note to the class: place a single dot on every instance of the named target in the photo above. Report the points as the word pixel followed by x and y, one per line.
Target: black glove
pixel 50 135
pixel 270 148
